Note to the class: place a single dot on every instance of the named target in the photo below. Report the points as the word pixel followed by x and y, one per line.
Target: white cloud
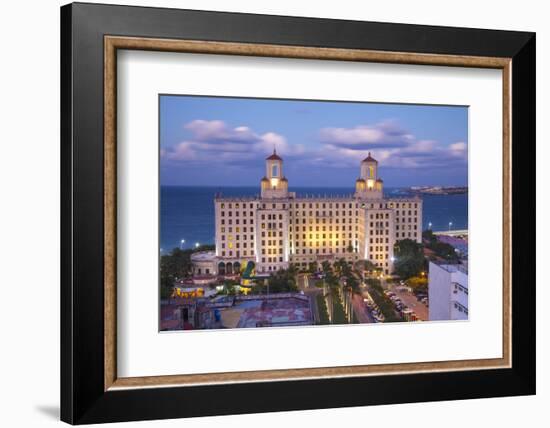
pixel 216 142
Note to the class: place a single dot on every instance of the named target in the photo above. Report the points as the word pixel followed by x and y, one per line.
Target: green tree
pixel 283 281
pixel 429 236
pixel 365 266
pixel 382 301
pixel 312 267
pixel 410 259
pixel 176 265
pixel 445 251
pixel 173 266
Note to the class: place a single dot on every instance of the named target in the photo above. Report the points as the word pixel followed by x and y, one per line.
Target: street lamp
pixel 197 245
pixel 392 259
pixel 450 225
pixel 430 225
pixel 181 244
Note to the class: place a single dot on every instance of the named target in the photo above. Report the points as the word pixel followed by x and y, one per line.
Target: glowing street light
pixel 197 245
pixel 181 244
pixel 392 258
pixel 450 225
pixel 430 225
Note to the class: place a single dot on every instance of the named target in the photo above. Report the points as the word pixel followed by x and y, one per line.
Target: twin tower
pixel 274 185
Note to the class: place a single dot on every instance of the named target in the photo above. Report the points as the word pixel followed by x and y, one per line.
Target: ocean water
pixel 188 212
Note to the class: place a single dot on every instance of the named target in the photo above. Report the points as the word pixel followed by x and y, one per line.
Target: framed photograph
pixel 266 213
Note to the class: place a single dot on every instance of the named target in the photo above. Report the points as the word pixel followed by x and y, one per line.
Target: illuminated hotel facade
pixel 278 227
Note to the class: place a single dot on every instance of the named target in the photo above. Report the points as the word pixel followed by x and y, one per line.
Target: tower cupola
pixel 369 185
pixel 274 184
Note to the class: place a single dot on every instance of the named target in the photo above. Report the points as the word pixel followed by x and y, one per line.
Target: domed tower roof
pixel 360 180
pixel 369 158
pixel 284 179
pixel 274 156
pixel 265 179
pixel 379 180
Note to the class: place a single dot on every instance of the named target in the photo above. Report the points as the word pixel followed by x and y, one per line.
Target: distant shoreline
pixel 439 190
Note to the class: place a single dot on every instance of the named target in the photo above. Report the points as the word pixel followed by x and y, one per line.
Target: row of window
pixel 378 240
pixel 230 213
pixel 324 213
pixel 379 224
pixel 317 237
pixel 272 216
pixel 409 213
pixel 319 243
pixel 459 287
pixel 271 242
pixel 272 260
pixel 379 231
pixel 342 250
pixel 321 236
pixel 409 227
pixel 321 205
pixel 237 253
pixel 380 215
pixel 237 245
pixel 381 256
pixel 461 308
pixel 272 225
pixel 272 251
pixel 238 237
pixel 407 235
pixel 230 221
pixel 406 220
pixel 323 228
pixel 323 220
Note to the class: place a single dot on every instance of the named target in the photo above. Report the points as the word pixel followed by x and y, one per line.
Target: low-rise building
pixel 448 292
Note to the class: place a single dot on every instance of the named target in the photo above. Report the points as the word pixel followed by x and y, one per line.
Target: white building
pixel 448 292
pixel 278 227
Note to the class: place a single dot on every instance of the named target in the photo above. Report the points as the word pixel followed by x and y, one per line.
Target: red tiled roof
pixel 369 158
pixel 274 156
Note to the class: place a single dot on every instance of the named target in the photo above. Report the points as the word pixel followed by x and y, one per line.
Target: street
pixel 409 300
pixel 361 311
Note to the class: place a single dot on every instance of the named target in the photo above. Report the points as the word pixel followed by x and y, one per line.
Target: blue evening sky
pixel 217 141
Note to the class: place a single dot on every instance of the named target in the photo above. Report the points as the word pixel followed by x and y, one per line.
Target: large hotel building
pixel 279 227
